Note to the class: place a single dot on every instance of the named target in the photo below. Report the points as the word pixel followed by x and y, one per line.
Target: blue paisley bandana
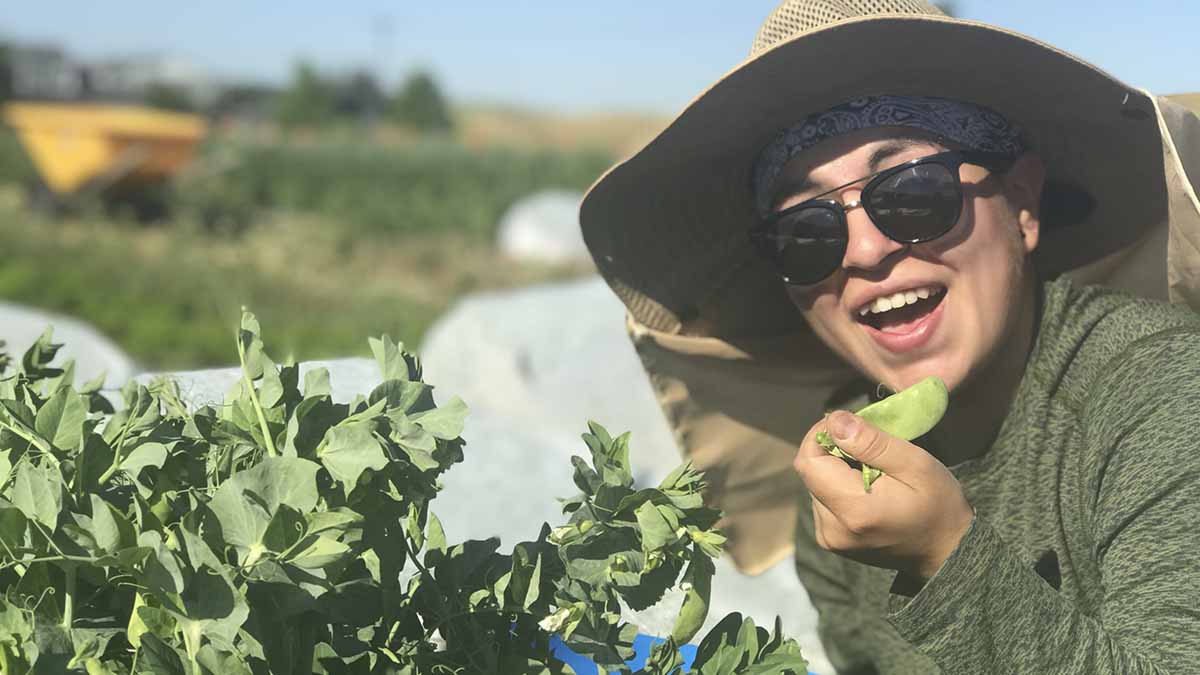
pixel 969 125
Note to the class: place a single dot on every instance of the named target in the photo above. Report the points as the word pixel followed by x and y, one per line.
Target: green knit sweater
pixel 1084 556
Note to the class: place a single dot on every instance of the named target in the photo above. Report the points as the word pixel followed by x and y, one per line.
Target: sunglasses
pixel 910 203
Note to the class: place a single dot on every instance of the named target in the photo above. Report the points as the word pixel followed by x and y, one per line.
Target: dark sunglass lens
pixel 916 204
pixel 807 245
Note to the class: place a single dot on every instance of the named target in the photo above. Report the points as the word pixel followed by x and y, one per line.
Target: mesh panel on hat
pixel 797 16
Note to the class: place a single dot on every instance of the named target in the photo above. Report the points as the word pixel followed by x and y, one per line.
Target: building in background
pixel 31 71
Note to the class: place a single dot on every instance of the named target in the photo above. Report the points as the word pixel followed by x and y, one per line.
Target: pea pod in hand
pixel 906 415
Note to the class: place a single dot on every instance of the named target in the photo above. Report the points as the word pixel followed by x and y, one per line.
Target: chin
pixel 906 375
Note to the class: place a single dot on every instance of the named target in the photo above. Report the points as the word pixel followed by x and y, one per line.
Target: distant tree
pixel 6 74
pixel 359 96
pixel 168 97
pixel 308 100
pixel 251 101
pixel 419 103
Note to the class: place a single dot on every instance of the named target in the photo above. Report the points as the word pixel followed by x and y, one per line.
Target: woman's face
pixel 974 276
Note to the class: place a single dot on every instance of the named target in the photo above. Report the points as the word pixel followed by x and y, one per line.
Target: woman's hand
pixel 911 520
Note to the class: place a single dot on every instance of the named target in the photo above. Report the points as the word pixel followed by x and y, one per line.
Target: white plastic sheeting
pixel 93 352
pixel 544 227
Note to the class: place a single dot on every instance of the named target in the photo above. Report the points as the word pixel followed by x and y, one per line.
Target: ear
pixel 1023 184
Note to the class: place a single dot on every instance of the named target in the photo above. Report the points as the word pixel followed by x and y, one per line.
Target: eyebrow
pixel 881 154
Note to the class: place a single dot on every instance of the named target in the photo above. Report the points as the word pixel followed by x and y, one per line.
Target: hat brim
pixel 667 227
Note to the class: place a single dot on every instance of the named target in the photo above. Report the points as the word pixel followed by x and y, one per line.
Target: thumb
pixel 869 445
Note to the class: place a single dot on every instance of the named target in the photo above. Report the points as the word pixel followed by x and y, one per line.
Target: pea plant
pixel 283 532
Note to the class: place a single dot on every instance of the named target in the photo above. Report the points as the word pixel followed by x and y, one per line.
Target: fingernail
pixel 843 425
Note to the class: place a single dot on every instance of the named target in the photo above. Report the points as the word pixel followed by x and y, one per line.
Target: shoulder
pixel 1131 382
pixel 1096 337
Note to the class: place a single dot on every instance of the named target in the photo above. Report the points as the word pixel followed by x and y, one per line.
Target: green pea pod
pixel 906 414
pixel 695 601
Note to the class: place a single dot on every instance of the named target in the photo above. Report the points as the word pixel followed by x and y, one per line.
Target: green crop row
pixel 173 310
pixel 15 166
pixel 429 187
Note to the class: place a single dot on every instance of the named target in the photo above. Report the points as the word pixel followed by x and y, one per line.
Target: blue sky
pixel 620 54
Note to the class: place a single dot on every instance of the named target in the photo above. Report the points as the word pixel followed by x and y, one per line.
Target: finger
pixel 863 441
pixel 831 481
pixel 810 452
pixel 832 531
pixel 809 447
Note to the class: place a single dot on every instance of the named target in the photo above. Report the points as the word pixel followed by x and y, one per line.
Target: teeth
pixel 897 300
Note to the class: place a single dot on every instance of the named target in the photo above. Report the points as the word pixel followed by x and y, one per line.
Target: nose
pixel 867 247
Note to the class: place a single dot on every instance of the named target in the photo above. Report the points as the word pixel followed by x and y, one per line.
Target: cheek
pixel 824 316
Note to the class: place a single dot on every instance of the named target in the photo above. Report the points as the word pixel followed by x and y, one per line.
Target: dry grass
pixel 1190 100
pixel 620 134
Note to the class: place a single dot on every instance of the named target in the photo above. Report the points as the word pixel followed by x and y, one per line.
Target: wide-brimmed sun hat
pixel 739 375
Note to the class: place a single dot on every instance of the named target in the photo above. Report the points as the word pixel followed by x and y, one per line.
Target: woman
pixel 876 198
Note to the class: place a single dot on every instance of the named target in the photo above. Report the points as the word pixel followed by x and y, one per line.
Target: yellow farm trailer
pixel 86 148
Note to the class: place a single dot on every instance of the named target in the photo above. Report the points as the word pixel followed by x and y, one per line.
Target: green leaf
pixel 111 529
pixel 12 525
pixel 91 464
pixel 144 455
pixel 418 444
pixel 161 571
pixel 317 552
pixel 36 361
pixel 5 468
pixel 222 663
pixel 212 607
pixel 316 383
pixel 158 658
pixel 535 582
pixel 251 346
pixel 311 420
pixel 656 531
pixel 445 421
pixel 245 504
pixel 279 480
pixel 403 396
pixel 271 390
pixel 393 362
pixel 37 492
pixel 90 643
pixel 337 520
pixel 435 537
pixel 60 420
pixel 95 384
pixel 348 450
pixel 286 527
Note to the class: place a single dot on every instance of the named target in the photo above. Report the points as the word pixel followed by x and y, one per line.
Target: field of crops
pixel 327 240
pixel 421 188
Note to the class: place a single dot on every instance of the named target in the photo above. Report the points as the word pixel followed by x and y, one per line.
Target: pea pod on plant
pixel 906 414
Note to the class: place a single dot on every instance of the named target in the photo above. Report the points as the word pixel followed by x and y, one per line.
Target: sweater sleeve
pixel 857 638
pixel 987 612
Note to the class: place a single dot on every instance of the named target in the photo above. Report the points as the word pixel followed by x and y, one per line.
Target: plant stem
pixel 28 437
pixel 69 600
pixel 116 463
pixel 262 418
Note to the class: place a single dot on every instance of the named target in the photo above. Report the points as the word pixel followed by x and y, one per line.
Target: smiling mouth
pixel 904 319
